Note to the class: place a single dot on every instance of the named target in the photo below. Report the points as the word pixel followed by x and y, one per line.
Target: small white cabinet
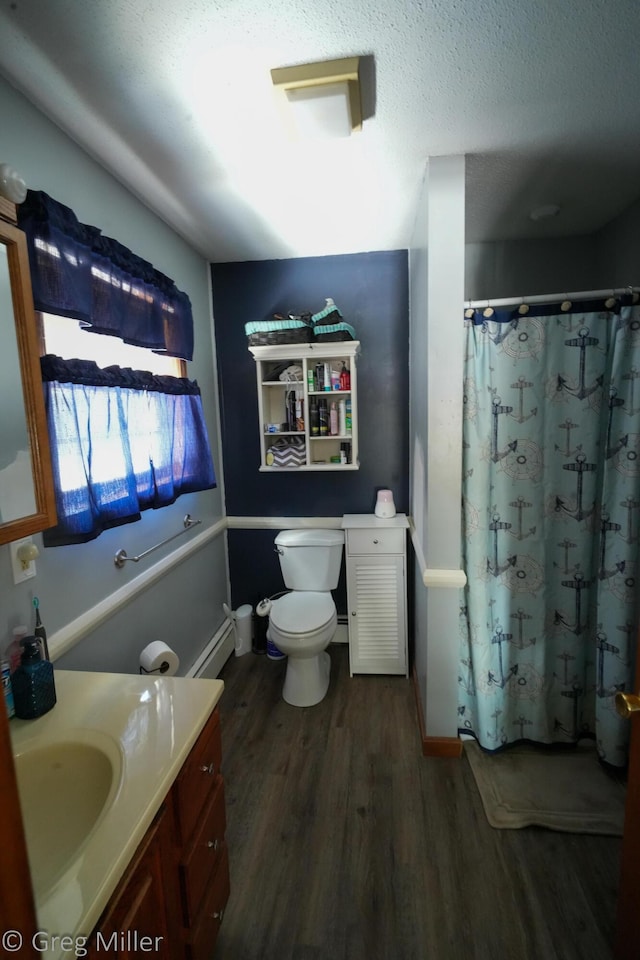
pixel 312 451
pixel 376 558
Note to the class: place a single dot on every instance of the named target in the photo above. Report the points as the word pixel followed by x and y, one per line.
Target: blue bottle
pixel 34 691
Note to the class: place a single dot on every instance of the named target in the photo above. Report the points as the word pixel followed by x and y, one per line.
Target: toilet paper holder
pixel 158 658
pixel 164 666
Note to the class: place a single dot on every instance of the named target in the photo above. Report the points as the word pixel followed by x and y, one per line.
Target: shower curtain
pixel 551 501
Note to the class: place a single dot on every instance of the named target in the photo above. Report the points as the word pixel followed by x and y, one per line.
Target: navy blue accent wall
pixel 371 291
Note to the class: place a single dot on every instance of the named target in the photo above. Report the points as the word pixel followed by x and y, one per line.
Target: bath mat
pixel 561 790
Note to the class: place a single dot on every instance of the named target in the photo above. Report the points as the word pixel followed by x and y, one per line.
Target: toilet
pixel 302 623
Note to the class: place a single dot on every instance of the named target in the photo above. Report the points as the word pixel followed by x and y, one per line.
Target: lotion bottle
pixel 333 420
pixel 342 414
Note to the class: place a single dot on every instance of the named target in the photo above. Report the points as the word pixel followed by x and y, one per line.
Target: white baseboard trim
pixel 72 633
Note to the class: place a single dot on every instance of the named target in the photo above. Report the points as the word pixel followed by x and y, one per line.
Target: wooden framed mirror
pixel 27 500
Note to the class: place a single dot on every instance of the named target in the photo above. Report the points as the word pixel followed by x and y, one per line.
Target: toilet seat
pixel 302 612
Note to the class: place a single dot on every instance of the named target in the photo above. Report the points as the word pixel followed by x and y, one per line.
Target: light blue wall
pixel 185 607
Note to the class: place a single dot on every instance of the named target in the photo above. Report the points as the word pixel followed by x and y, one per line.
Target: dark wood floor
pixel 347 844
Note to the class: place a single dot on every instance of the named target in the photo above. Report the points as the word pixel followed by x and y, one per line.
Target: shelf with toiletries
pixel 307 406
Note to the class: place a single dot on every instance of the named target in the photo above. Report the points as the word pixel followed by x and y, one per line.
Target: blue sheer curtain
pixel 78 272
pixel 122 441
pixel 551 511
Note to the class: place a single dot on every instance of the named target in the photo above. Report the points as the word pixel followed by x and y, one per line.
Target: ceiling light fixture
pixel 545 212
pixel 321 100
pixel 12 186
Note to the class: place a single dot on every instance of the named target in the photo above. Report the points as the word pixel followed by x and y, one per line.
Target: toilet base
pixel 307 680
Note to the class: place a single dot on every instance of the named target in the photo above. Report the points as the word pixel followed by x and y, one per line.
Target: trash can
pixel 243 617
pixel 260 634
pixel 272 651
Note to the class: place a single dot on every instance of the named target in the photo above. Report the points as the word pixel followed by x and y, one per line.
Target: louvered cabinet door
pixel 376 595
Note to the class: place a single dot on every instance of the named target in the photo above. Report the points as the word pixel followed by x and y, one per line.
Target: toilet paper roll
pixel 158 657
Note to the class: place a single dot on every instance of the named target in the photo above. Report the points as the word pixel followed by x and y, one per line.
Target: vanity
pixel 123 809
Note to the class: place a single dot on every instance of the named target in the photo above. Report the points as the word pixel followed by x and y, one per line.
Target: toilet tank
pixel 310 559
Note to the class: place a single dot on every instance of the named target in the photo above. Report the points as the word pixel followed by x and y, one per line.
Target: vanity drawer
pixel 203 855
pixel 198 778
pixel 378 540
pixel 203 936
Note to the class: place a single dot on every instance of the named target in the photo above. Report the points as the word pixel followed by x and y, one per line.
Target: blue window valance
pixel 122 441
pixel 77 272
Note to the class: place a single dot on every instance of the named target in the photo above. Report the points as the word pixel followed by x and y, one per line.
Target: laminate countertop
pixel 139 727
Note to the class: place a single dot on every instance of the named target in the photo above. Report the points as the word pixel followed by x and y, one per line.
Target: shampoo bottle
pixel 34 691
pixel 315 418
pixel 324 418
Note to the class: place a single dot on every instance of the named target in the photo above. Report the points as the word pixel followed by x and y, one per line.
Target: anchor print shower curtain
pixel 551 523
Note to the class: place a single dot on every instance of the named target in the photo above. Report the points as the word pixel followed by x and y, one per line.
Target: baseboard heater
pixel 215 654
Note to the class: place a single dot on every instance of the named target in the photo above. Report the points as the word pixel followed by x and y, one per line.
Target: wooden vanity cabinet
pixel 140 917
pixel 177 885
pixel 198 797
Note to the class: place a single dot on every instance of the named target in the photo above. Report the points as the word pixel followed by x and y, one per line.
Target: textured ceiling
pixel 175 99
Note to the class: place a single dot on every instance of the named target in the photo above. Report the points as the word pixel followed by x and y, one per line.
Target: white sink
pixel 65 787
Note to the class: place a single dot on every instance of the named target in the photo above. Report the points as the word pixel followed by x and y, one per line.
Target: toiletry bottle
pixel 291 410
pixel 348 416
pixel 335 379
pixel 40 631
pixel 345 378
pixel 310 381
pixel 13 652
pixel 324 418
pixel 34 691
pixel 342 417
pixel 327 376
pixel 315 417
pixel 7 688
pixel 333 420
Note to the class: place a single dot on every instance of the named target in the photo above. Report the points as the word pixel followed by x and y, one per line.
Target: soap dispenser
pixel 34 691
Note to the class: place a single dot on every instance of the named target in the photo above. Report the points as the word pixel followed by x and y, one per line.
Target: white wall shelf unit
pixel 319 449
pixel 376 558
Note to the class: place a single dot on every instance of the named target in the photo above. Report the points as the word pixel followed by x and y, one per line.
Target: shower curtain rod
pixel 550 298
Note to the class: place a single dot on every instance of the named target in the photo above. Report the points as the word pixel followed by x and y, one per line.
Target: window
pixel 126 426
pixel 68 338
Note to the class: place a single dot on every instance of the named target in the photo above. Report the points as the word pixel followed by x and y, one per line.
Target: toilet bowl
pixel 302 625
